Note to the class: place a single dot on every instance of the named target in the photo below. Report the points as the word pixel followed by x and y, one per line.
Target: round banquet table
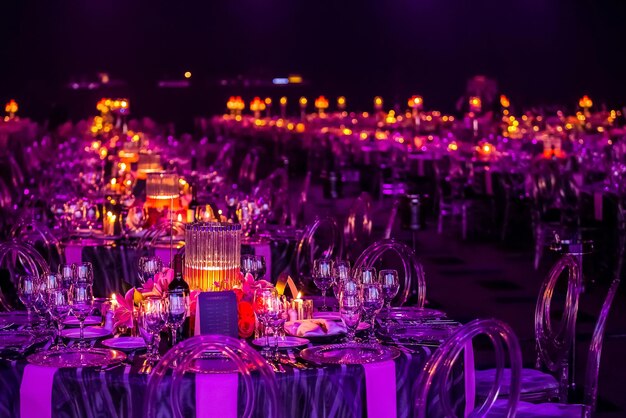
pixel 317 391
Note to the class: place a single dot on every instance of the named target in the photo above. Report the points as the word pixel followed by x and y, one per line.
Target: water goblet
pixel 253 265
pixel 373 301
pixel 282 309
pixel 68 274
pixel 323 278
pixel 350 312
pixel 81 297
pixel 84 272
pixel 265 310
pixel 136 218
pixel 27 292
pixel 176 307
pixel 152 320
pixel 341 273
pixel 59 306
pixel 366 275
pixel 391 285
pixel 149 267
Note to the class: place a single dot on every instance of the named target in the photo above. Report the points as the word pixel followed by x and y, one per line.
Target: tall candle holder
pixel 163 186
pixel 212 255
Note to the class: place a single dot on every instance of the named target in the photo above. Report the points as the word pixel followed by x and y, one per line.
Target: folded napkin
pixel 314 328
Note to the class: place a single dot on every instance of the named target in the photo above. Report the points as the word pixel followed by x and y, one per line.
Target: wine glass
pixel 341 273
pixel 68 274
pixel 323 278
pixel 391 285
pixel 253 264
pixel 148 267
pixel 152 320
pixel 82 304
pixel 350 311
pixel 27 292
pixel 373 301
pixel 265 310
pixel 366 275
pixel 281 309
pixel 176 307
pixel 84 272
pixel 59 306
pixel 205 213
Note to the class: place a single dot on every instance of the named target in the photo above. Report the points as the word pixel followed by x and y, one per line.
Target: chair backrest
pixel 18 258
pixel 213 356
pixel 410 271
pixel 595 352
pixel 298 214
pixel 358 226
pixel 322 238
pixel 438 370
pixel 41 238
pixel 554 343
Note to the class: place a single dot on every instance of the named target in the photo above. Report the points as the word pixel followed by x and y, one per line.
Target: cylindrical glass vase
pixel 212 255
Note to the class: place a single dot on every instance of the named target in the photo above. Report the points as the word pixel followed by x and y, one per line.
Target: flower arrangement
pixel 125 305
pixel 245 298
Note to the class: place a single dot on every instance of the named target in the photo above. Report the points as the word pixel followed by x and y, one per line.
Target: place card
pixel 216 313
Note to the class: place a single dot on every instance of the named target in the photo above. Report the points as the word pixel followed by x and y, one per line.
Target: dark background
pixel 540 51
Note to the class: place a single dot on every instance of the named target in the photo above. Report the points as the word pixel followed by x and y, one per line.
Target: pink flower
pixel 123 313
pixel 159 285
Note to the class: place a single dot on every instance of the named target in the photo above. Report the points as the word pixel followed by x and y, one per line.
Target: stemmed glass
pixel 350 311
pixel 372 304
pixel 68 274
pixel 366 275
pixel 266 310
pixel 152 320
pixel 391 285
pixel 27 292
pixel 341 273
pixel 176 307
pixel 323 278
pixel 148 267
pixel 59 306
pixel 81 297
pixel 84 272
pixel 278 325
pixel 253 264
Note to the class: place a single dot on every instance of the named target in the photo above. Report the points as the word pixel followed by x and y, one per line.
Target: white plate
pixel 90 332
pixel 90 320
pixel 283 342
pixel 125 343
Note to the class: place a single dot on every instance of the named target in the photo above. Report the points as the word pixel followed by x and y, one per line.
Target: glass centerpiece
pixel 212 255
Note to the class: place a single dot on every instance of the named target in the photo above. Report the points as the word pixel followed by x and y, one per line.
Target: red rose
pixel 239 294
pixel 247 320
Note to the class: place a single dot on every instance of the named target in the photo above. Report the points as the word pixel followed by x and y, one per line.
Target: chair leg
pixel 538 246
pixel 505 220
pixel 464 221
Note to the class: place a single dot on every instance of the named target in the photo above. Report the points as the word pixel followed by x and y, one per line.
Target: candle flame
pixel 299 295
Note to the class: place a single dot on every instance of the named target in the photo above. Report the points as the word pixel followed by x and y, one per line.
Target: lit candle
pixel 297 305
pixel 113 301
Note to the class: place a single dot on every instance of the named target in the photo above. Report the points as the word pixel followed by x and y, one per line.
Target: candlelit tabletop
pixel 305 389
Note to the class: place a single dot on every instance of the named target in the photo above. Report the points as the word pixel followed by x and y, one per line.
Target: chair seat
pixel 528 410
pixel 536 386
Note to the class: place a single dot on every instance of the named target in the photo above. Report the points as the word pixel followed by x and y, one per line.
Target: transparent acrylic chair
pixel 212 355
pixel 587 408
pixel 18 258
pixel 357 228
pixel 553 343
pixel 437 372
pixel 410 270
pixel 322 238
pixel 40 237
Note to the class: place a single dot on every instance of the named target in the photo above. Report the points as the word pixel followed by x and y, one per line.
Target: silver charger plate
pixel 349 353
pixel 93 357
pixel 15 340
pixel 402 313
